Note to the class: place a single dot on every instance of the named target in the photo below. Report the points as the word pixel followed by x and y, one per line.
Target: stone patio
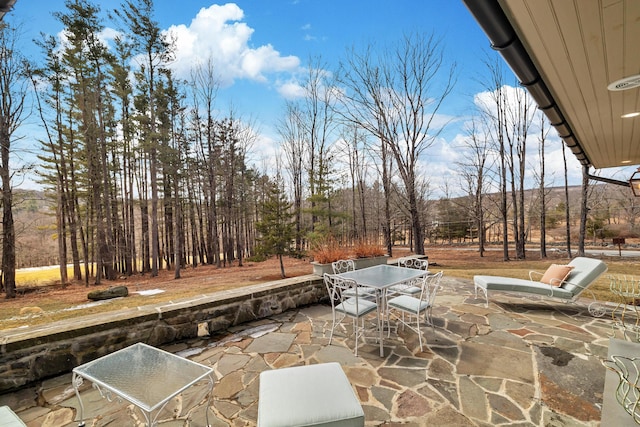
pixel 519 362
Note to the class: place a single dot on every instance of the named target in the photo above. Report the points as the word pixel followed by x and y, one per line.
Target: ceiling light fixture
pixel 630 115
pixel 625 83
pixel 634 183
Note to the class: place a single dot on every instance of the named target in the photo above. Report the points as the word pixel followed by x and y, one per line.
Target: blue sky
pixel 262 45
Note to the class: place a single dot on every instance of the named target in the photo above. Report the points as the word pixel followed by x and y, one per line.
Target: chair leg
pixel 335 322
pixel 333 326
pixel 429 319
pixel 486 295
pixel 418 331
pixel 355 333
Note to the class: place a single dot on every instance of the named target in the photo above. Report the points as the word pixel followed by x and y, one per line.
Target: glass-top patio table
pixel 143 375
pixel 380 278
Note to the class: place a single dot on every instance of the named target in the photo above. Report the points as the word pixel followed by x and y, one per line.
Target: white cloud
pixel 291 90
pixel 218 32
pixel 108 34
pixel 554 166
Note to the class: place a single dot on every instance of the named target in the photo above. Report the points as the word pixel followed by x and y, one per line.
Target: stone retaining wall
pixel 32 354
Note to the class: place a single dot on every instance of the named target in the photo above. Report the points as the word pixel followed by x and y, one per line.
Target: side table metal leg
pixel 77 381
pixel 381 308
pixel 206 412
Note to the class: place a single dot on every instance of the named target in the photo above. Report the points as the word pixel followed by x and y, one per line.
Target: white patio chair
pixel 412 287
pixel 346 302
pixel 407 305
pixel 342 266
pixel 411 262
pixel 346 265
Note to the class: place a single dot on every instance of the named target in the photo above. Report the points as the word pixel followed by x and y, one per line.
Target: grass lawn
pixel 56 302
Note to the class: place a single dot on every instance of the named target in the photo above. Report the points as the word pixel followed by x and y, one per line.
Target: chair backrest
pixel 337 286
pixel 343 265
pixel 410 262
pixel 624 286
pixel 430 286
pixel 585 272
pixel 342 291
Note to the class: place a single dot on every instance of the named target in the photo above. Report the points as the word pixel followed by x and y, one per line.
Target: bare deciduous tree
pixel 317 113
pixel 291 132
pixel 542 192
pixel 397 96
pixel 205 87
pixel 13 92
pixel 473 171
pixel 567 212
pixel 584 209
pixel 494 111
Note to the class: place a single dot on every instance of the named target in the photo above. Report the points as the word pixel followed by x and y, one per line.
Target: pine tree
pixel 276 227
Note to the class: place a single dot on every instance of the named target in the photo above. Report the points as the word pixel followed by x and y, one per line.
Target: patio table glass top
pixel 383 276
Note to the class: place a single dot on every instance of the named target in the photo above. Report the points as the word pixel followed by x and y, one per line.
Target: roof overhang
pixel 567 53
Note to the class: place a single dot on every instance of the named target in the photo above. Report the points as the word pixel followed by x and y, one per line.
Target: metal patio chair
pixel 347 302
pixel 411 306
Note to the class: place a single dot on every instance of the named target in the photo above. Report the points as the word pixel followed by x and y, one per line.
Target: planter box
pixel 320 269
pixel 370 262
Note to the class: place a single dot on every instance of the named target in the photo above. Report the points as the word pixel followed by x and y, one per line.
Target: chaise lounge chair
pixel 583 272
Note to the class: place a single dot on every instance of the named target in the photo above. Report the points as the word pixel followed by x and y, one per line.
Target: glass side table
pixel 143 375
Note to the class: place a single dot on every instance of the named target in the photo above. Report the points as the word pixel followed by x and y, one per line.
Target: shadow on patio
pixel 520 362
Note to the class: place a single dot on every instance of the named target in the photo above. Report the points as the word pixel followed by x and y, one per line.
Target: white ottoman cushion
pixel 312 395
pixel 9 419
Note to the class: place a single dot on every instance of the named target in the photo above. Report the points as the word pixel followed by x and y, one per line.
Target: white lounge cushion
pixel 312 395
pixel 509 284
pixel 585 271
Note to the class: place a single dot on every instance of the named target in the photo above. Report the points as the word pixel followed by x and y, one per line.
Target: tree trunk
pixel 8 227
pixel 416 224
pixel 153 171
pixel 567 214
pixel 386 186
pixel 281 266
pixel 503 208
pixel 543 201
pixel 62 232
pixel 584 210
pixel 179 232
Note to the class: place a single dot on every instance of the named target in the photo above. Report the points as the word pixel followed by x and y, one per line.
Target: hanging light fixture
pixel 634 183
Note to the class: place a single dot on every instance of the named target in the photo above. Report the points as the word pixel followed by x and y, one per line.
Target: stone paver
pixel 517 362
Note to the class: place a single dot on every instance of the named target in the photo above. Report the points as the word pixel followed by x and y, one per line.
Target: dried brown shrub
pixel 364 249
pixel 329 251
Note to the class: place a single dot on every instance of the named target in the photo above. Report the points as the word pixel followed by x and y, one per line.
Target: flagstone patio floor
pixel 519 362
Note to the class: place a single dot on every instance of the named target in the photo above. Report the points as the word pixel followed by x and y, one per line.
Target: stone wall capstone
pixel 33 354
